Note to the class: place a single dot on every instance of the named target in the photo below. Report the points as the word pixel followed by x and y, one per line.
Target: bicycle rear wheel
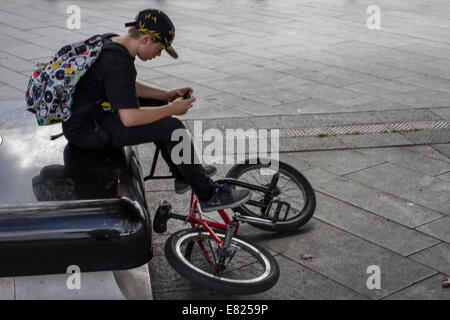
pixel 249 269
pixel 292 187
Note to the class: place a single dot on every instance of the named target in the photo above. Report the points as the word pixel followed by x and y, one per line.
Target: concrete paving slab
pixel 331 94
pixel 7 291
pixel 318 177
pixel 440 136
pixel 149 75
pixel 444 149
pixel 373 228
pixel 345 258
pixel 444 176
pixel 297 283
pixel 22 23
pixel 8 93
pixel 321 77
pixel 407 184
pixel 437 257
pixel 15 63
pixel 384 39
pixel 307 106
pixel 429 152
pixel 391 85
pixel 373 90
pixel 382 204
pixel 192 72
pixel 13 79
pixel 340 162
pixel 405 158
pixel 406 115
pixel 53 45
pixel 428 289
pixel 372 69
pixel 134 284
pixel 214 111
pixel 254 91
pixel 94 286
pixel 378 104
pixel 426 81
pixel 276 79
pixel 248 107
pixel 426 98
pixel 438 229
pixel 28 51
pixel 444 113
pixel 292 159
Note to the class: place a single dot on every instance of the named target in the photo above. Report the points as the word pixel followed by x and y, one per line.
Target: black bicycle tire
pixel 280 226
pixel 214 283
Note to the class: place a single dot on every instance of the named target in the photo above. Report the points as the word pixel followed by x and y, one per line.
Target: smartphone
pixel 187 95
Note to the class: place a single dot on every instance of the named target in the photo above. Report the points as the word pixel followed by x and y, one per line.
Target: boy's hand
pixel 177 93
pixel 181 107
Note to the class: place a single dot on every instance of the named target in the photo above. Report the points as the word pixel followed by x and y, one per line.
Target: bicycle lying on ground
pixel 211 254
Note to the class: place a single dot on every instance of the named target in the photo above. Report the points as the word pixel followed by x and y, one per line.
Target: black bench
pixel 61 205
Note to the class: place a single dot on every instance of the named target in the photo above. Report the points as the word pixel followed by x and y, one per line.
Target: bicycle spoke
pixel 287 181
pixel 241 264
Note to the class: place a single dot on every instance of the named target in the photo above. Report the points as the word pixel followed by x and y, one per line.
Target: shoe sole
pixel 234 205
pixel 181 191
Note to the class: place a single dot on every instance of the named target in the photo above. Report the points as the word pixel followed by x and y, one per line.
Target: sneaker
pixel 224 198
pixel 181 186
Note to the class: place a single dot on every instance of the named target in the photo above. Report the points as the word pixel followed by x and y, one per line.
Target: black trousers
pixel 159 132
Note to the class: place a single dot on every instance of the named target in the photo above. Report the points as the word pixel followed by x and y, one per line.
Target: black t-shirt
pixel 111 78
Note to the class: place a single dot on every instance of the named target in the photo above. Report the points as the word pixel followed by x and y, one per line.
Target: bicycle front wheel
pixel 248 269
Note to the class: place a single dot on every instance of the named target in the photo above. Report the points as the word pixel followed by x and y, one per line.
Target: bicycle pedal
pixel 280 206
pixel 162 215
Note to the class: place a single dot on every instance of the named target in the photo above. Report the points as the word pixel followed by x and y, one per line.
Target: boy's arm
pixel 145 91
pixel 131 117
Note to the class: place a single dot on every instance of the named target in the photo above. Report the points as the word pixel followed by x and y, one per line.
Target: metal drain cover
pixel 366 128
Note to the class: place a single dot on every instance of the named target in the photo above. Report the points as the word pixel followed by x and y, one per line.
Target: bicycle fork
pixel 225 252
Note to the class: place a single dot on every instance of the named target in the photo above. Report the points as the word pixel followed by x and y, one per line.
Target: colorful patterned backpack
pixel 52 84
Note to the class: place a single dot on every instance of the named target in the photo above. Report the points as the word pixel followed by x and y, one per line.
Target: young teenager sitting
pixel 112 109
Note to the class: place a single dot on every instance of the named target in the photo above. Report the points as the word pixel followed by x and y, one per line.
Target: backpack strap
pixel 108 35
pixel 56 136
pixel 98 128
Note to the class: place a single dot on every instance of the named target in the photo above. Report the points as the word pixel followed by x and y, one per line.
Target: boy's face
pixel 148 48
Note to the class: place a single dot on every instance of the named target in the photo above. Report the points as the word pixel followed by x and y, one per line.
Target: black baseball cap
pixel 157 24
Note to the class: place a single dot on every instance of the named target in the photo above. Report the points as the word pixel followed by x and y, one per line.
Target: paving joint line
pixel 401 165
pixel 408 150
pixel 420 251
pixel 322 274
pixel 439 150
pixel 383 217
pixel 374 243
pixel 390 250
pixel 431 221
pixel 412 284
pixel 370 167
pixel 399 197
pixel 442 173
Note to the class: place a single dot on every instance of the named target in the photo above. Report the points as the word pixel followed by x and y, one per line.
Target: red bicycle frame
pixel 208 224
